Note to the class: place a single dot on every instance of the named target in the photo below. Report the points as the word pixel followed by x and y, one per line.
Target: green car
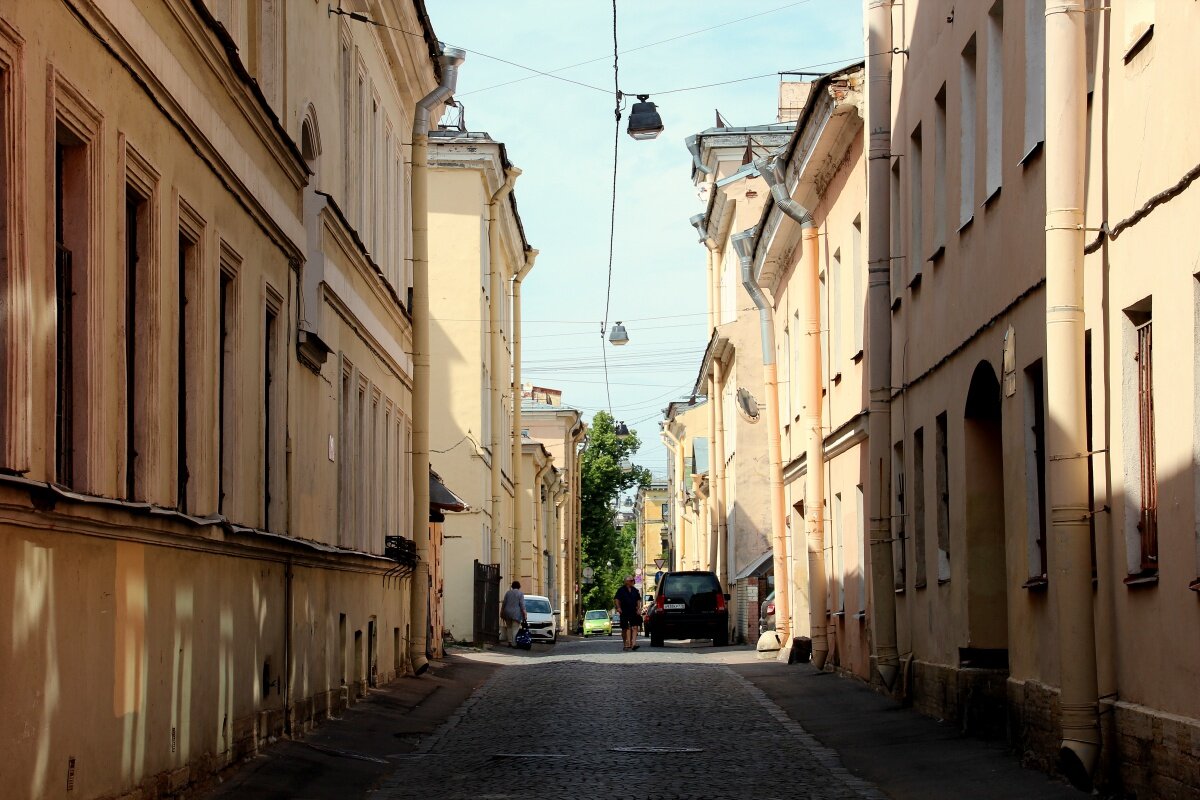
pixel 595 623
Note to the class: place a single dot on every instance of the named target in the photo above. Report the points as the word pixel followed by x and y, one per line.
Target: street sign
pixel 638 580
pixel 658 576
pixel 658 562
pixel 637 571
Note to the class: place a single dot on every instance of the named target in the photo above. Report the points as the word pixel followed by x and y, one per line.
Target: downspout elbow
pixel 693 146
pixel 743 245
pixel 450 58
pixel 530 256
pixel 772 172
pixel 510 177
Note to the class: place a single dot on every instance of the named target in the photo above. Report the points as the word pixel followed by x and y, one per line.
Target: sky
pixel 561 135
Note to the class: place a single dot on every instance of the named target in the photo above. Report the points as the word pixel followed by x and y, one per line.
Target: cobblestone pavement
pixel 584 720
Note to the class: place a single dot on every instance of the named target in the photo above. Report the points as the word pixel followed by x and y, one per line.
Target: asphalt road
pixel 582 719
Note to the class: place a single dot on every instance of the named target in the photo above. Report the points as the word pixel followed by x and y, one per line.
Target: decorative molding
pixel 15 274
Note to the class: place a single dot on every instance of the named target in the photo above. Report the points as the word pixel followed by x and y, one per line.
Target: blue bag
pixel 523 639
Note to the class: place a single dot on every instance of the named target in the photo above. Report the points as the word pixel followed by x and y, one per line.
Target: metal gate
pixel 487 603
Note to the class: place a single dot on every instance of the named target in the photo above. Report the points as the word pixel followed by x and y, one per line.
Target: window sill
pixel 966 223
pixel 920 585
pixel 936 257
pixel 1142 580
pixel 899 590
pixel 837 378
pixel 915 282
pixel 860 615
pixel 895 304
pixel 943 581
pixel 857 357
pixel 1142 36
pixel 1032 154
pixel 991 198
pixel 838 614
pixel 1038 583
pixel 1195 585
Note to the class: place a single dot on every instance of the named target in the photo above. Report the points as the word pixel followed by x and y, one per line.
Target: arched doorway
pixel 987 591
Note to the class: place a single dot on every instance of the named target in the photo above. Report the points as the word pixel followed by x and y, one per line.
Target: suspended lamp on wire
pixel 617 336
pixel 622 430
pixel 644 121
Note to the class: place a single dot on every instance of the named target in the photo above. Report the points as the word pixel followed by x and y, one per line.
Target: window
pixel 995 99
pixel 345 62
pixel 859 270
pixel 824 313
pixel 918 504
pixel 835 314
pixel 794 355
pixel 1035 76
pixel 665 511
pixel 839 553
pixel 896 249
pixel 966 127
pixel 939 174
pixel 861 531
pixel 943 500
pixel 1035 468
pixel 346 467
pixel 1139 434
pixel 916 202
pixel 273 418
pixel 227 378
pixel 898 524
pixel 74 240
pixel 362 468
pixel 188 354
pixel 137 223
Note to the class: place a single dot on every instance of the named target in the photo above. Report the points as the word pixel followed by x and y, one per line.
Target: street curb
pixel 825 756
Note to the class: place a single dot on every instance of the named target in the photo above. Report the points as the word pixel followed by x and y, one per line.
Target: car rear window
pixel 596 615
pixel 684 586
pixel 533 606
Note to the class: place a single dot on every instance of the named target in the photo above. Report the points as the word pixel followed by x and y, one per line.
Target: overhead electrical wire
pixel 640 47
pixel 360 17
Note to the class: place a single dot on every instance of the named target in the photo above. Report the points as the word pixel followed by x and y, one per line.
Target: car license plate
pixel 673 606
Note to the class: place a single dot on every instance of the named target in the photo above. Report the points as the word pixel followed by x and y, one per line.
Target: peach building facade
pixel 207 381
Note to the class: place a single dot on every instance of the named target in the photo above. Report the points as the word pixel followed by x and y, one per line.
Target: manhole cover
pixel 656 749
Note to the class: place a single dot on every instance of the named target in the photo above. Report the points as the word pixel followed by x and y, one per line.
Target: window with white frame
pixel 968 88
pixel 994 132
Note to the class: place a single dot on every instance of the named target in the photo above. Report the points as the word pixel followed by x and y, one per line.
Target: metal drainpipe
pixel 495 287
pixel 679 496
pixel 518 518
pixel 814 444
pixel 879 342
pixel 743 245
pixel 450 58
pixel 1066 440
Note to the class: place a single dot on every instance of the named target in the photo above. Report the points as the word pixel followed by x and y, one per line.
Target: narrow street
pixel 581 719
pixel 585 720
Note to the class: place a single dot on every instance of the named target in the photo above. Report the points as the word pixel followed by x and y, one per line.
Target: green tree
pixel 607 549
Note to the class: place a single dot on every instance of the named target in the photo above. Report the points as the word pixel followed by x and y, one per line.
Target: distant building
pixel 475 239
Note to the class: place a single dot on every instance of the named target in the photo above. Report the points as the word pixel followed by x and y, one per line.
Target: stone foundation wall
pixel 1146 753
pixel 973 699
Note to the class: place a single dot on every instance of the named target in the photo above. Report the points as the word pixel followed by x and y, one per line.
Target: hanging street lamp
pixel 644 121
pixel 617 336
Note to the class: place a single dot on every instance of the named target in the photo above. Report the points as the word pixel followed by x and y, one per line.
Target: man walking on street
pixel 512 613
pixel 629 604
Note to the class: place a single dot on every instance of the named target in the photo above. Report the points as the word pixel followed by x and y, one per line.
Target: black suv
pixel 689 605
